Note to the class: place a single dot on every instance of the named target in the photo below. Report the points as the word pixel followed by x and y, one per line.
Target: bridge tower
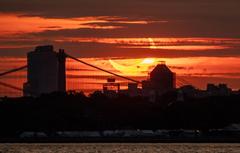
pixel 46 71
pixel 61 71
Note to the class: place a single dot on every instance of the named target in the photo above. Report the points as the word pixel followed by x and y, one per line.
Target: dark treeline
pixel 75 111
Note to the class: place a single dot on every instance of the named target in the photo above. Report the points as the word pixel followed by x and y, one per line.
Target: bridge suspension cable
pixel 10 86
pixel 9 72
pixel 109 72
pixel 185 82
pixel 13 70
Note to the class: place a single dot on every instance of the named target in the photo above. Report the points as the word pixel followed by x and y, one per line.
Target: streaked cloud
pixel 122 28
pixel 190 44
pixel 17 24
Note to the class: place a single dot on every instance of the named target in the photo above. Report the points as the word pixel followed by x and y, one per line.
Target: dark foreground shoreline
pixel 75 118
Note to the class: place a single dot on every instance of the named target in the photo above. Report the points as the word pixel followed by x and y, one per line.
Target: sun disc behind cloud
pixel 139 68
pixel 148 61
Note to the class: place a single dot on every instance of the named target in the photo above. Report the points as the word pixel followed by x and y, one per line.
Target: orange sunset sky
pixel 199 40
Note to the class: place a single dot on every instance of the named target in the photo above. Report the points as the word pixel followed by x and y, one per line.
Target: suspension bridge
pixel 81 75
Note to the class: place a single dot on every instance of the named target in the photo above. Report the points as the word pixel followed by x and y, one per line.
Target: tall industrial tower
pixel 46 71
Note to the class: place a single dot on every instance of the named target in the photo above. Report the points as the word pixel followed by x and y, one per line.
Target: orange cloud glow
pixel 182 47
pixel 16 24
pixel 162 43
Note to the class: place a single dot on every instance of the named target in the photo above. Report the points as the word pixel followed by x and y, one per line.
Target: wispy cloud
pixel 190 44
pixel 19 24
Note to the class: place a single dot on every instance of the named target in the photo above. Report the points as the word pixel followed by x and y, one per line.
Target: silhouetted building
pixel 133 90
pixel 212 89
pixel 224 90
pixel 46 71
pixel 146 87
pixel 188 91
pixel 162 78
pixel 111 88
pixel 220 90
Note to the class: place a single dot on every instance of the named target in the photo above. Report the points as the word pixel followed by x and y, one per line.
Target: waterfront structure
pixel 189 91
pixel 162 80
pixel 45 71
pixel 133 90
pixel 111 88
pixel 218 90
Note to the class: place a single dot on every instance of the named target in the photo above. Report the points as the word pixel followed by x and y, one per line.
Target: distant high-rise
pixel 46 71
pixel 162 79
pixel 218 90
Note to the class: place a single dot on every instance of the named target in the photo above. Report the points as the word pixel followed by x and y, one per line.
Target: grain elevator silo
pixel 46 71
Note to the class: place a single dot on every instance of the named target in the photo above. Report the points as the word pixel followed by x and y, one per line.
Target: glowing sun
pixel 148 61
pixel 138 66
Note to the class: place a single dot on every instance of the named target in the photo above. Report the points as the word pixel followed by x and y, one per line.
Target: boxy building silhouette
pixel 162 80
pixel 46 71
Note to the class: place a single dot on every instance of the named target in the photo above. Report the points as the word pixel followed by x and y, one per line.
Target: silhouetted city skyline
pixel 200 44
pixel 46 73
